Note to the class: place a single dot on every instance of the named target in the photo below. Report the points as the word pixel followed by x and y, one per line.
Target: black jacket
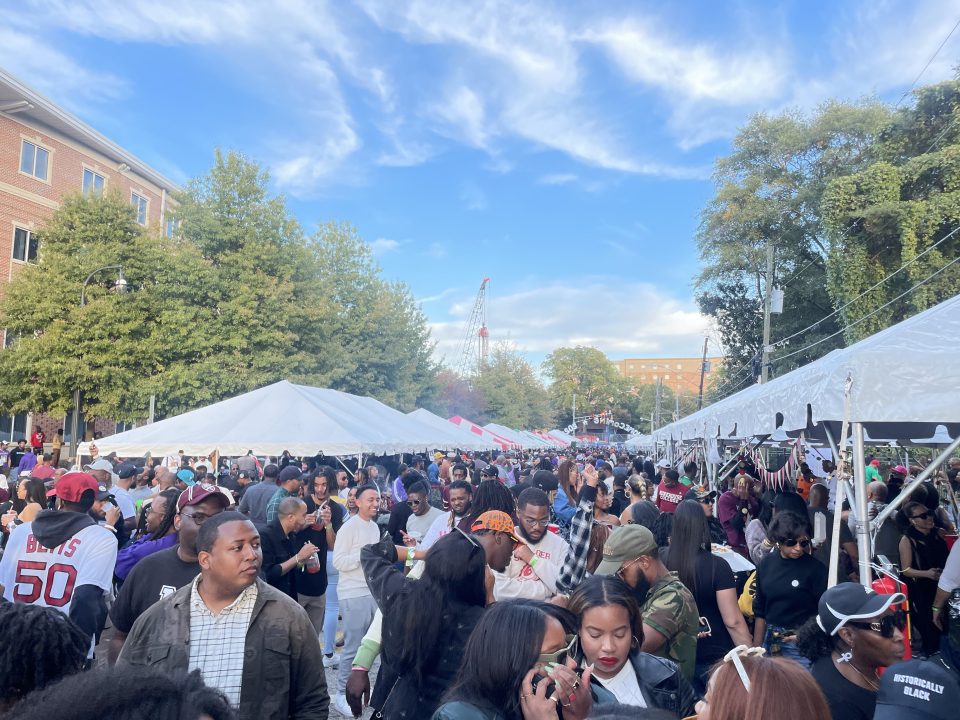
pixel 278 547
pixel 661 682
pixel 397 690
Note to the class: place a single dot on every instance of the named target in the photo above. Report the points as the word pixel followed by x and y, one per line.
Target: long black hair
pixel 39 646
pixel 36 492
pixel 453 576
pixel 492 495
pixel 689 536
pixel 502 648
pixel 169 513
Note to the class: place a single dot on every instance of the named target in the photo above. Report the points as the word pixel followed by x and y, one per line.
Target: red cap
pixel 875 462
pixel 72 485
pixel 198 493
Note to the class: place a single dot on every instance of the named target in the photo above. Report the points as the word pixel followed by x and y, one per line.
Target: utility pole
pixel 765 359
pixel 703 371
pixel 656 411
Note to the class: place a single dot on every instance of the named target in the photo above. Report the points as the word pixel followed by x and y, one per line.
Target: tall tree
pixel 513 394
pixel 903 210
pixel 586 372
pixel 456 396
pixel 770 189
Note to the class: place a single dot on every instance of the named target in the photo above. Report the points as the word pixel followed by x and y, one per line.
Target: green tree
pixel 514 396
pixel 903 208
pixel 770 189
pixel 456 396
pixel 586 372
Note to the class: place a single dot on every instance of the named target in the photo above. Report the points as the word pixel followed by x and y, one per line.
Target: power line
pixel 781 341
pixel 873 312
pixel 932 57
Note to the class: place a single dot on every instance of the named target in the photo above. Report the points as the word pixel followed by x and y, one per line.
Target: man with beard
pixel 166 571
pixel 461 498
pixel 538 560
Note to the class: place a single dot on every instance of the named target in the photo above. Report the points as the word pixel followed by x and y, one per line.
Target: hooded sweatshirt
pixel 62 560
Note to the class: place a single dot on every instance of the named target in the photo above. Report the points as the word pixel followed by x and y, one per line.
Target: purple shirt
pixel 132 554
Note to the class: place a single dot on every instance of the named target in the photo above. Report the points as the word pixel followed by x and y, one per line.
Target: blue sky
pixel 562 149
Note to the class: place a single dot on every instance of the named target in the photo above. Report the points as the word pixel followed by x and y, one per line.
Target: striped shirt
pixel 218 641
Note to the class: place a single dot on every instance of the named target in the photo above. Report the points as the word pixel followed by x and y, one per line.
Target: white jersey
pixel 31 573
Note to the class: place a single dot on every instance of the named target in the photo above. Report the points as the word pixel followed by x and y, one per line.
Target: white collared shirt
pixel 218 641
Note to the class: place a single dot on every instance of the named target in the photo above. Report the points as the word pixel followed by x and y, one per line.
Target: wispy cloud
pixel 382 246
pixel 472 197
pixel 557 179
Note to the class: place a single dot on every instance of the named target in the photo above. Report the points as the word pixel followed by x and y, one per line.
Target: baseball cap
pixel 438 456
pixel 490 471
pixel 198 493
pixel 126 470
pixel 103 492
pixel 917 690
pixel 625 543
pixel 900 470
pixel 700 493
pixel 875 462
pixel 289 473
pixel 850 601
pixel 100 464
pixel 186 476
pixel 545 480
pixel 72 485
pixel 497 521
pixel 663 463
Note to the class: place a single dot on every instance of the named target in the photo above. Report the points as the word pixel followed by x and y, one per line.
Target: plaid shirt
pixel 217 642
pixel 274 503
pixel 575 566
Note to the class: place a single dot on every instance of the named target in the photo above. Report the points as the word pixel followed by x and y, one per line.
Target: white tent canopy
pixel 464 439
pixel 904 379
pixel 283 416
pixel 521 438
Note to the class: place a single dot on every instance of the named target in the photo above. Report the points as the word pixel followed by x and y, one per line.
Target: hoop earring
pixel 635 645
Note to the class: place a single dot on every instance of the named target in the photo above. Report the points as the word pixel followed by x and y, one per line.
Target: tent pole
pixel 913 484
pixel 834 568
pixel 349 471
pixel 860 498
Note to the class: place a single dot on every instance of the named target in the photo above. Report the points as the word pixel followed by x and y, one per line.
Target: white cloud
pixel 382 246
pixel 558 179
pixel 638 319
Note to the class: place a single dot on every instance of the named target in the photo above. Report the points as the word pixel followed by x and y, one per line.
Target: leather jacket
pixel 661 683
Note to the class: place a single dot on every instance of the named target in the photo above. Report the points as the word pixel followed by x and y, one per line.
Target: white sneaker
pixel 332 661
pixel 340 705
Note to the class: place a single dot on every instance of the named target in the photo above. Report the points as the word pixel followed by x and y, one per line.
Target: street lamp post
pixel 120 286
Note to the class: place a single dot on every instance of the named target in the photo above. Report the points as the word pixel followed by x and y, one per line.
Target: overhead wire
pixel 929 61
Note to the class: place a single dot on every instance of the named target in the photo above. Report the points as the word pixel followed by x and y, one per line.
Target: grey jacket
pixel 283 674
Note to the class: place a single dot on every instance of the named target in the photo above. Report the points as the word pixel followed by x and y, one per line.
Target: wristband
pixel 360 668
pixel 533 561
pixel 936 609
pixel 410 554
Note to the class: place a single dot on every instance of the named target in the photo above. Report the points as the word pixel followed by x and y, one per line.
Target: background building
pixel 45 154
pixel 681 375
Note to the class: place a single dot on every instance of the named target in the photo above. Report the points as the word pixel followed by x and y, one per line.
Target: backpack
pixel 745 602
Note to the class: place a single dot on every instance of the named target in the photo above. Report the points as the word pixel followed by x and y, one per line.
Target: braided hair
pixel 169 513
pixel 38 646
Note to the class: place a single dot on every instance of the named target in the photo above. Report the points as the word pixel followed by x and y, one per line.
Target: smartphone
pixel 705 629
pixel 537 680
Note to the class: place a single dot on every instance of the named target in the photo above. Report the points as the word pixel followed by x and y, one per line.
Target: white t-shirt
pixel 624 686
pixel 126 504
pixel 353 535
pixel 31 573
pixel 422 523
pixel 538 582
pixel 441 526
pixel 950 577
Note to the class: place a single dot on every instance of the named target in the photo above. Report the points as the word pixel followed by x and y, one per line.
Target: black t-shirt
pixel 713 574
pixel 315 584
pixel 398 521
pixel 16 455
pixel 846 700
pixel 153 578
pixel 788 590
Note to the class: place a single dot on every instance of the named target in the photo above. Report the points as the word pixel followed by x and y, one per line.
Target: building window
pixel 34 160
pixel 679 366
pixel 124 426
pixel 13 427
pixel 667 376
pixel 139 203
pixel 172 227
pixel 92 183
pixel 8 339
pixel 24 245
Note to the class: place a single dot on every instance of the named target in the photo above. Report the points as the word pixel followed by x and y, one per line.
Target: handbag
pixel 745 601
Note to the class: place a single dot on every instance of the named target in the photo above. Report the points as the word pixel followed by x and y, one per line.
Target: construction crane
pixel 475 343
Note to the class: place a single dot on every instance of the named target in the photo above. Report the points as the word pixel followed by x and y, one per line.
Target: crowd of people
pixel 510 586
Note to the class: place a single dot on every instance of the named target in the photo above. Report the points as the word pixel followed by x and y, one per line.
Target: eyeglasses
pixel 706 501
pixel 621 573
pixel 469 539
pixel 198 518
pixel 742 651
pixel 413 501
pixel 922 516
pixel 886 624
pixel 793 542
pixel 534 522
pixel 560 655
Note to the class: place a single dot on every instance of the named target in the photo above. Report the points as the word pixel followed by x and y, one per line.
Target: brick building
pixel 681 375
pixel 45 154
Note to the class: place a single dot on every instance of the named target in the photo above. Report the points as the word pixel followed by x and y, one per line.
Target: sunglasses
pixel 560 655
pixel 622 572
pixel 886 624
pixel 922 516
pixel 793 542
pixel 469 539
